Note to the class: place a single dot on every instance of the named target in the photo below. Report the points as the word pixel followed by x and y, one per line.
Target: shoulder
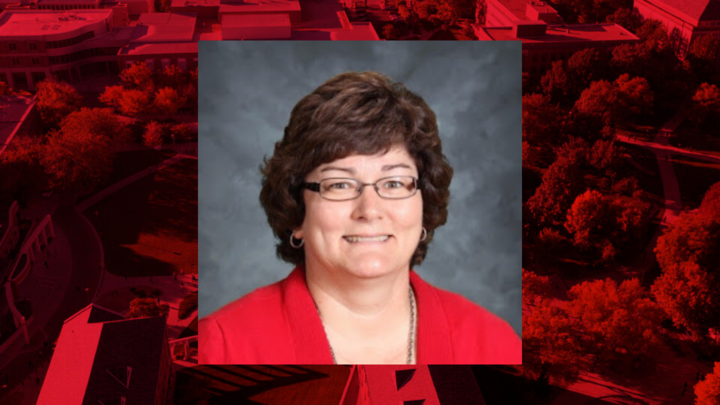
pixel 479 336
pixel 239 331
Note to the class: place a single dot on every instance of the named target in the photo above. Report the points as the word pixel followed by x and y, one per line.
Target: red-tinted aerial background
pixel 621 202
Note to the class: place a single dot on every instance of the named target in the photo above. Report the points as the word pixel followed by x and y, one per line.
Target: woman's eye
pixel 394 184
pixel 340 186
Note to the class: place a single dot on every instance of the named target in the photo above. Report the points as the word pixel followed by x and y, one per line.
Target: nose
pixel 369 205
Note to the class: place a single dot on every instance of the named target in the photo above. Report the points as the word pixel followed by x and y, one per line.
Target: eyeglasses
pixel 342 189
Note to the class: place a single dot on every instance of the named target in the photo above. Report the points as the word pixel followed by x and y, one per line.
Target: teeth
pixel 353 239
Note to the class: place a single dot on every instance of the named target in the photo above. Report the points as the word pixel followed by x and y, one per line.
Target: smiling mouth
pixel 357 239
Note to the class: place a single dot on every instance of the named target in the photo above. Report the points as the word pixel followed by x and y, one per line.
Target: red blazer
pixel 279 324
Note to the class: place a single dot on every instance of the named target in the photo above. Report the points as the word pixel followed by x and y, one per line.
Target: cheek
pixel 323 220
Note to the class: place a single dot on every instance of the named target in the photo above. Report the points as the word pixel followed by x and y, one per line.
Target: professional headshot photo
pixel 360 203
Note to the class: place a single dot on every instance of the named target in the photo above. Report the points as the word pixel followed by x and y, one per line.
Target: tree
pixel 707 391
pixel 153 136
pixel 168 101
pixel 654 35
pixel 182 132
pixel 138 77
pixel 615 317
pixel 534 286
pixel 704 56
pixel 172 76
pixel 112 96
pixel 689 256
pixel 134 102
pixel 604 156
pixel 541 120
pixel 21 168
pixel 633 59
pixel 403 11
pixel 562 182
pixel 706 102
pixel 627 18
pixel 634 97
pixel 99 121
pixel 584 67
pixel 606 225
pixel 575 150
pixel 55 100
pixel 427 9
pixel 390 32
pixel 598 100
pixel 593 11
pixel 690 295
pixel 710 205
pixel 462 8
pixel 551 346
pixel 77 160
pixel 695 238
pixel 555 82
pixel 565 81
pixel 146 307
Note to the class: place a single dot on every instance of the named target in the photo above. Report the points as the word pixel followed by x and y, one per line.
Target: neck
pixel 363 298
pixel 366 320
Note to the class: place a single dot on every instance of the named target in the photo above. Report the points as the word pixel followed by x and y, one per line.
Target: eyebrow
pixel 352 171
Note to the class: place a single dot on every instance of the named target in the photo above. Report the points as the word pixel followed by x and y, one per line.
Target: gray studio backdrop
pixel 247 90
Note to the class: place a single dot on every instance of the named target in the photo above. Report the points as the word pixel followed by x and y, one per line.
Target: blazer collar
pixel 311 344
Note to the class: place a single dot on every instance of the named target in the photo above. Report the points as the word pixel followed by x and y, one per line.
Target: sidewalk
pixel 126 181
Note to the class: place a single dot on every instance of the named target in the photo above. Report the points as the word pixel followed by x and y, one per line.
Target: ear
pixel 298 233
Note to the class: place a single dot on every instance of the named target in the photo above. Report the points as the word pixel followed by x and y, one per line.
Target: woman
pixel 354 193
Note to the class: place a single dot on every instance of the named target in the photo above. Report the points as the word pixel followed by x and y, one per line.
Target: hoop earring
pixel 424 235
pixel 302 242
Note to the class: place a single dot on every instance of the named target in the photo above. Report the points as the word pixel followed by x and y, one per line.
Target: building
pixel 103 358
pixel 542 44
pixel 411 385
pixel 503 13
pixel 36 44
pixel 684 20
pixel 162 39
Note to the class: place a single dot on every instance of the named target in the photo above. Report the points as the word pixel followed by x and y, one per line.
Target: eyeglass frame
pixel 315 186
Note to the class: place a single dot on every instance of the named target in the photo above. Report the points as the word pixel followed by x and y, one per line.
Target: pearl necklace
pixel 411 335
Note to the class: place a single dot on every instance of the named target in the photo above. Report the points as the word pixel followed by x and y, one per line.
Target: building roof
pixel 164 27
pixel 519 7
pixel 168 48
pixel 21 23
pixel 691 10
pixel 256 20
pixel 195 3
pixel 51 2
pixel 259 6
pixel 95 348
pixel 566 33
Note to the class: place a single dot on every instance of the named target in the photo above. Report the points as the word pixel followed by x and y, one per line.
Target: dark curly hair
pixel 353 113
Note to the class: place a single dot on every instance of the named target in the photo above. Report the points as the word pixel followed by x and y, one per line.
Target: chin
pixel 372 269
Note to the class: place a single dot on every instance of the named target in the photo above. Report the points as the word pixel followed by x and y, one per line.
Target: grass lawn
pixel 128 163
pixel 149 228
pixel 694 178
pixel 649 175
pixel 688 136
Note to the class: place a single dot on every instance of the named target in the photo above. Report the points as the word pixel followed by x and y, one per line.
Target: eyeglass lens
pixel 389 187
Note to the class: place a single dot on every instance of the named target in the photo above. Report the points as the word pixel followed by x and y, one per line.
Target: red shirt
pixel 279 324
